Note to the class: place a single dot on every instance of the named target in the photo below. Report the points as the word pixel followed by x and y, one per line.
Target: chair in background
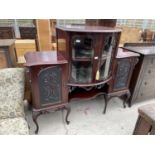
pixel 12 116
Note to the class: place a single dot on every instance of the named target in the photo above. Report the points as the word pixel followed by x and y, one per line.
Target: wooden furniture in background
pixel 53 33
pixel 130 35
pixel 145 124
pixel 27 32
pixel 53 30
pixel 44 39
pixel 101 22
pixel 90 51
pixel 22 46
pixel 7 33
pixel 148 35
pixel 124 65
pixel 48 76
pixel 142 84
pixel 7 53
pixel 8 58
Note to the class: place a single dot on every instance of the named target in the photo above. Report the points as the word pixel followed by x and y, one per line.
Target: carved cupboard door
pixel 50 84
pixel 122 74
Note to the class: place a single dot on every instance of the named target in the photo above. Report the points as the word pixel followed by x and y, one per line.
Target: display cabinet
pixel 90 51
pixel 124 65
pixel 47 74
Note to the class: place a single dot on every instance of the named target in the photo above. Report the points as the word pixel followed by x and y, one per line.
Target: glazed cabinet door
pixel 83 54
pixel 109 46
pixel 107 54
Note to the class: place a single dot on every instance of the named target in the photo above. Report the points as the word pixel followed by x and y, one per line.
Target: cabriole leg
pixel 68 109
pixel 35 115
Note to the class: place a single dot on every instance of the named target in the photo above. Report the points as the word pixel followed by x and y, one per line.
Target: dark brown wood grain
pixel 43 58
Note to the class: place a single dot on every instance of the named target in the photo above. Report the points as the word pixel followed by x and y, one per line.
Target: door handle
pixel 96 58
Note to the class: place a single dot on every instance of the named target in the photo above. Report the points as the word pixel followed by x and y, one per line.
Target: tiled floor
pixel 86 118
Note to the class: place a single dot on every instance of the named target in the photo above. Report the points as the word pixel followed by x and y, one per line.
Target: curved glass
pixel 82 47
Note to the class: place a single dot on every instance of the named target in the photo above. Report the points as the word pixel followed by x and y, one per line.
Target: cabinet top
pixel 44 58
pixel 123 53
pixel 84 28
pixel 141 48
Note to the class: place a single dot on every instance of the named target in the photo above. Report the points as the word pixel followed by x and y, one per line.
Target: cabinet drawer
pixel 148 84
pixel 151 61
pixel 149 73
pixel 145 94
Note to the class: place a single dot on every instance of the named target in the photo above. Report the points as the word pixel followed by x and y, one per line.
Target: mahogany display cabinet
pixel 122 72
pixel 48 78
pixel 90 52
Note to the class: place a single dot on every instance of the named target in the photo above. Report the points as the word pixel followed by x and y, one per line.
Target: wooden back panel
pixel 43 34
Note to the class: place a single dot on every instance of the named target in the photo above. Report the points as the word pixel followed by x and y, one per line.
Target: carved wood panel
pixel 50 85
pixel 122 74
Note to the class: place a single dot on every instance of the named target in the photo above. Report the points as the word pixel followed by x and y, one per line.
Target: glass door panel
pixel 81 72
pixel 82 47
pixel 108 45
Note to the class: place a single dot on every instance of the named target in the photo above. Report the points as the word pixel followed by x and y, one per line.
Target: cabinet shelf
pixel 89 84
pixel 82 59
pixel 80 93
